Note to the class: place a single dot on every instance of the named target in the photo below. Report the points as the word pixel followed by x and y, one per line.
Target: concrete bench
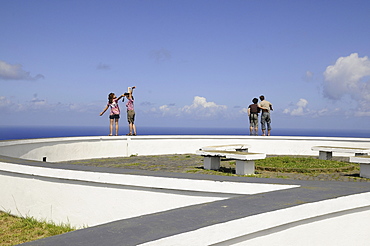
pixel 244 160
pixel 326 152
pixel 364 162
pixel 229 147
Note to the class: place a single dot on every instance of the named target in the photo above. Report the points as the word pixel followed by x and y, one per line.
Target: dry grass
pixel 16 230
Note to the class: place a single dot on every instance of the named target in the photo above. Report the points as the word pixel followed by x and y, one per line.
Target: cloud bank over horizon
pixel 16 72
pixel 346 81
pixel 199 109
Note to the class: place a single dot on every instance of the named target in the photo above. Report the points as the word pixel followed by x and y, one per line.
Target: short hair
pixel 262 97
pixel 255 100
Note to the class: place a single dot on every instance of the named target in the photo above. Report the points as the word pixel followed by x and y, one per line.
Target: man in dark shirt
pixel 253 111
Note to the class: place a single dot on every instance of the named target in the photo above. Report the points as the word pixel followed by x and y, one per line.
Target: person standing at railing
pixel 114 112
pixel 253 111
pixel 266 107
pixel 130 111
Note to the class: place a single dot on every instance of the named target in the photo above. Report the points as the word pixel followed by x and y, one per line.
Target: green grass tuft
pixel 302 164
pixel 16 230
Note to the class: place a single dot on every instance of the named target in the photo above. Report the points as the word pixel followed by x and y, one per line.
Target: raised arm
pixel 131 92
pixel 120 96
pixel 104 110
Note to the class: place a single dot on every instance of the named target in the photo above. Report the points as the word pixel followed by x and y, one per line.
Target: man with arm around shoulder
pixel 266 107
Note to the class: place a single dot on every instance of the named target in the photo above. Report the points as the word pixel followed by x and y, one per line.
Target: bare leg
pixel 117 126
pixel 129 129
pixel 110 127
pixel 134 128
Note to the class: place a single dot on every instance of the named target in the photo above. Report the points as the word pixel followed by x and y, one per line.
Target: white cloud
pixel 325 111
pixel 199 109
pixel 36 104
pixel 15 72
pixel 164 108
pixel 9 106
pixel 243 111
pixel 299 109
pixel 349 77
pixel 302 103
pixel 4 102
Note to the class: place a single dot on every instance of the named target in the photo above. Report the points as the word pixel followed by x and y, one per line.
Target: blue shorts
pixel 114 116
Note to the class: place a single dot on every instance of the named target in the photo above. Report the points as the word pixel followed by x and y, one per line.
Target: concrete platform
pixel 175 208
pixel 215 222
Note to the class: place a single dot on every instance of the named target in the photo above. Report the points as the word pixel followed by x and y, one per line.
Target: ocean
pixel 27 132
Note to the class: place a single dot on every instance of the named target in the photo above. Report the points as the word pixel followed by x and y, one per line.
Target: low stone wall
pixel 76 148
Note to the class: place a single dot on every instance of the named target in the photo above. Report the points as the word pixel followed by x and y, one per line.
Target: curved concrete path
pixel 215 222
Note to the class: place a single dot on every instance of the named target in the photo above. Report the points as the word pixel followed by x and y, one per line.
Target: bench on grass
pixel 364 162
pixel 244 160
pixel 326 152
pixel 229 147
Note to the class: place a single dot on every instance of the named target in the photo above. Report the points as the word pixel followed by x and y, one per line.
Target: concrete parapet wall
pixel 63 149
pixel 76 148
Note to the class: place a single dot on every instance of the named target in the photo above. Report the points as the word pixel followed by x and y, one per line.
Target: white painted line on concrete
pixel 147 181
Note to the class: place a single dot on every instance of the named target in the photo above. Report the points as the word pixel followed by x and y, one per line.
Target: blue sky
pixel 195 63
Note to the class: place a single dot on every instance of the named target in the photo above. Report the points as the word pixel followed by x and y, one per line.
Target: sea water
pixel 27 132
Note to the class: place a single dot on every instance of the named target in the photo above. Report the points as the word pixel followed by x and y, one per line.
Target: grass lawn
pixel 16 230
pixel 303 164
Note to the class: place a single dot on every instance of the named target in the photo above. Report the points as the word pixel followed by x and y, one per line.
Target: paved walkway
pixel 150 227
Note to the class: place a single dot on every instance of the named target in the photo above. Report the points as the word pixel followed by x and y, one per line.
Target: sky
pixel 195 63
